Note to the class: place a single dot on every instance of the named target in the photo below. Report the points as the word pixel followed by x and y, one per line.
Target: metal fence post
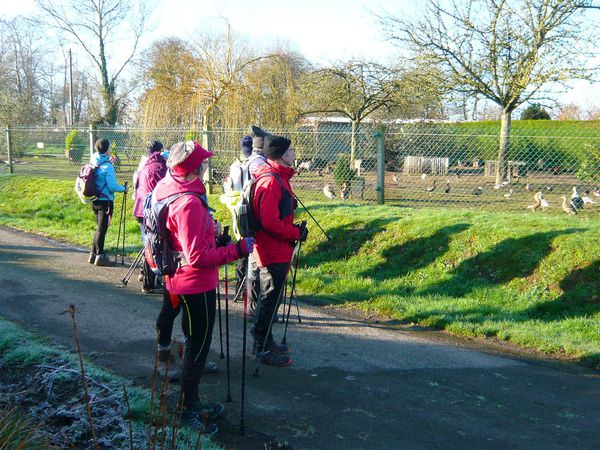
pixel 379 137
pixel 92 134
pixel 9 150
pixel 207 144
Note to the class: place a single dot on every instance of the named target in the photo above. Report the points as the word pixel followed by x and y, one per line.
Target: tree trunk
pixel 505 118
pixel 353 144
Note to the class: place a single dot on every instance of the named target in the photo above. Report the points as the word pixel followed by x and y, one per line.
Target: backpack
pixel 246 220
pixel 85 183
pixel 159 256
pixel 239 174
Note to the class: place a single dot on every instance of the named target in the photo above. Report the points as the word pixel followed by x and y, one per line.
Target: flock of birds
pixel 570 206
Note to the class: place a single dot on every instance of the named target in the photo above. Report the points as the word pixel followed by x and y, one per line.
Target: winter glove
pixel 126 186
pixel 245 246
pixel 303 231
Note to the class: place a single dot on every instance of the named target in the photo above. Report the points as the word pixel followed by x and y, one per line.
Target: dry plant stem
pixel 128 417
pixel 177 419
pixel 88 409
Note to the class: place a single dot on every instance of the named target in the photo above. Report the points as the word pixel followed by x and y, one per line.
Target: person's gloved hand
pixel 126 185
pixel 303 232
pixel 246 245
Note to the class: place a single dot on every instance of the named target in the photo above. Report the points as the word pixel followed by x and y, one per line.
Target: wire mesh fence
pixel 422 164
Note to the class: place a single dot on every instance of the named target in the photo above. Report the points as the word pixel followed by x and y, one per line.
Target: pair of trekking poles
pixel 122 223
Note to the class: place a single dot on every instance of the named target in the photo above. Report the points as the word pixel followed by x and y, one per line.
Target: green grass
pixel 531 279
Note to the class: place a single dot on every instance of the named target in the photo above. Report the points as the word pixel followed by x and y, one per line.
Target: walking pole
pixel 274 314
pixel 220 323
pixel 228 398
pixel 124 209
pixel 119 232
pixel 133 266
pixel 244 341
pixel 312 217
pixel 287 320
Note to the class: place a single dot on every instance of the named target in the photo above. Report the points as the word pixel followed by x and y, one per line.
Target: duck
pixel 537 201
pixel 544 203
pixel 328 192
pixel 395 179
pixel 509 194
pixel 529 187
pixel 423 176
pixel 447 187
pixel 478 191
pixel 588 200
pixel 576 200
pixel 568 207
pixel 596 193
pixel 431 187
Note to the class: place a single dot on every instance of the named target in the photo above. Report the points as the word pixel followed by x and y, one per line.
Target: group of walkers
pixel 263 260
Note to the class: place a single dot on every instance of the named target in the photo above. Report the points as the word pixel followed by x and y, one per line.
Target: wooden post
pixel 379 136
pixel 9 150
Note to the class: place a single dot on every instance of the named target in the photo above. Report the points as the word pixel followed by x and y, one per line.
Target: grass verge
pixel 531 279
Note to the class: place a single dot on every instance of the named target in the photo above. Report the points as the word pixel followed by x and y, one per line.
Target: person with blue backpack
pixel 103 205
pixel 190 231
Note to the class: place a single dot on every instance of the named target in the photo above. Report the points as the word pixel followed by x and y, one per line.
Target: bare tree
pixel 503 50
pixel 354 89
pixel 93 25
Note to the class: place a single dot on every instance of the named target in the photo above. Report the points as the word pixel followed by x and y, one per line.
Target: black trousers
pixel 197 323
pixel 103 210
pixel 272 281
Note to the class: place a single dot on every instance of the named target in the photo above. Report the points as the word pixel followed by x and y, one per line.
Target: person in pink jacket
pixel 192 288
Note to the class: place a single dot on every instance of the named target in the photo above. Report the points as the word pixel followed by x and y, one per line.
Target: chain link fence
pixel 408 164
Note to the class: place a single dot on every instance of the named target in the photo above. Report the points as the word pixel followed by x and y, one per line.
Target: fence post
pixel 9 150
pixel 92 135
pixel 379 137
pixel 207 144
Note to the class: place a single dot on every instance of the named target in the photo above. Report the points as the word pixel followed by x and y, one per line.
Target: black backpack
pixel 247 221
pixel 160 257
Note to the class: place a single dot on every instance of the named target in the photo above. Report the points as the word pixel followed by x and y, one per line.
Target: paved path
pixel 353 385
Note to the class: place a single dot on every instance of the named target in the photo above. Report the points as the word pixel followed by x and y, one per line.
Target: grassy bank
pixel 531 279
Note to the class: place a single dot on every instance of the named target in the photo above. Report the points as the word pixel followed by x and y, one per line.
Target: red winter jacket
pixel 191 230
pixel 154 170
pixel 275 239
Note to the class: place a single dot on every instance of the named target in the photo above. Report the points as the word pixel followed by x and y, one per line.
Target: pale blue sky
pixel 322 30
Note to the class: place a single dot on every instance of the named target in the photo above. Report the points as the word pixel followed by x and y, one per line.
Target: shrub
pixel 535 112
pixel 342 173
pixel 75 145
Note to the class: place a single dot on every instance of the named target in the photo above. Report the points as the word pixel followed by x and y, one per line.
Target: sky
pixel 324 31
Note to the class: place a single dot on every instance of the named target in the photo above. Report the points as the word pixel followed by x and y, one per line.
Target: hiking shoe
pixel 211 367
pixel 147 290
pixel 103 260
pixel 272 346
pixel 173 374
pixel 274 359
pixel 92 258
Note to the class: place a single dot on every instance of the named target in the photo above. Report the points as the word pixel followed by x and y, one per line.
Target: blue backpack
pixel 160 257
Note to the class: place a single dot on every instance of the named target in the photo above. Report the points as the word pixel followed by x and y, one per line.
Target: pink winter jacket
pixel 191 230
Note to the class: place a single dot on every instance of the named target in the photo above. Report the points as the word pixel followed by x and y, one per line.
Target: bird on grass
pixel 596 193
pixel 509 194
pixel 501 185
pixel 395 179
pixel 544 203
pixel 478 191
pixel 576 200
pixel 328 192
pixel 537 201
pixel 447 187
pixel 423 176
pixel 588 200
pixel 549 188
pixel 431 187
pixel 568 207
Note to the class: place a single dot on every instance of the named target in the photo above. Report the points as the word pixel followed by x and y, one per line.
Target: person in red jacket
pixel 153 170
pixel 274 207
pixel 192 288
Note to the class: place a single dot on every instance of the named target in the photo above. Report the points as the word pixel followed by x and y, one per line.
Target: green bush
pixel 342 173
pixel 75 146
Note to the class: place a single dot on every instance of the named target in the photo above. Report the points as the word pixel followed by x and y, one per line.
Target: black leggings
pixel 103 210
pixel 197 322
